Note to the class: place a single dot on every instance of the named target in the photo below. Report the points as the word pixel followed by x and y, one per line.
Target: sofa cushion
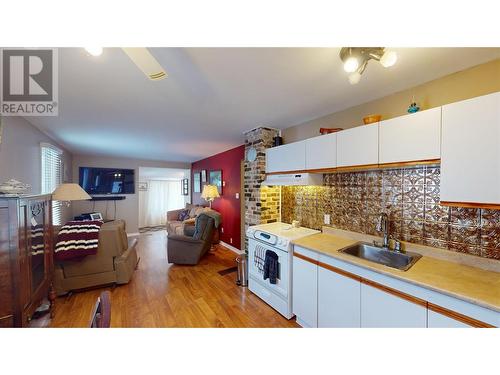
pixel 191 208
pixel 183 215
pixel 192 212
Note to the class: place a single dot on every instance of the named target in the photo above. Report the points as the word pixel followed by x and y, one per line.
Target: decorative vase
pixel 413 106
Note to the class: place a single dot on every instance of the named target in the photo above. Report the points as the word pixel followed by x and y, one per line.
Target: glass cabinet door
pixel 37 243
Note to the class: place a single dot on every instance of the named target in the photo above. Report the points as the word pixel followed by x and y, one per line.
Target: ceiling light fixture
pixel 355 60
pixel 94 51
pixel 351 62
pixel 388 59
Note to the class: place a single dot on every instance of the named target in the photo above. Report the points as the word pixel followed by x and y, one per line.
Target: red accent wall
pixel 229 207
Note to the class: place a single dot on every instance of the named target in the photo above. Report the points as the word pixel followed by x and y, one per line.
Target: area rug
pixel 151 229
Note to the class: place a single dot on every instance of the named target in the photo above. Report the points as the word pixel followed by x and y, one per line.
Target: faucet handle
pixel 396 244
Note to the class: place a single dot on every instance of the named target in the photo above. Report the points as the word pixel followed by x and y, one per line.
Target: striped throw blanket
pixel 37 239
pixel 77 239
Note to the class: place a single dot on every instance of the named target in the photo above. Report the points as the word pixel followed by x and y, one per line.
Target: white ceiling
pixel 212 95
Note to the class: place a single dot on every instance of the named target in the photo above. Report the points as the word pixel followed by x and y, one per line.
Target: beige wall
pixel 479 80
pixel 127 209
pixel 20 154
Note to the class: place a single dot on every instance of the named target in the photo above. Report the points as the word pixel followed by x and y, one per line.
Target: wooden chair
pixel 101 315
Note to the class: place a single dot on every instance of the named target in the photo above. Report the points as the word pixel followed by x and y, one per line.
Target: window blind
pixel 52 176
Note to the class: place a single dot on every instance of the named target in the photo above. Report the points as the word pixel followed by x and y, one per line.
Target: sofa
pixel 114 263
pixel 176 226
pixel 189 247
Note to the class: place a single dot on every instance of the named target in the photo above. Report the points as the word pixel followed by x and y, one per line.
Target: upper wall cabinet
pixel 415 137
pixel 289 157
pixel 321 152
pixel 470 152
pixel 358 146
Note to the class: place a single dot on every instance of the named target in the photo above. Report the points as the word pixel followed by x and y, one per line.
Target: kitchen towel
pixel 271 266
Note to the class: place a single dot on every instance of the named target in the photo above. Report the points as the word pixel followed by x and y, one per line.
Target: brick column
pixel 262 204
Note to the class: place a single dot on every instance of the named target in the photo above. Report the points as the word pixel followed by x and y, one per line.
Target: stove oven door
pixel 256 255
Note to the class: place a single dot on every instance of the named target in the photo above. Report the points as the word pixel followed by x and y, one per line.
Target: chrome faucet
pixel 383 226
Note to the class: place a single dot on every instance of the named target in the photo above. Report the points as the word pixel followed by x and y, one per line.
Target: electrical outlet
pixel 231 240
pixel 237 195
pixel 327 219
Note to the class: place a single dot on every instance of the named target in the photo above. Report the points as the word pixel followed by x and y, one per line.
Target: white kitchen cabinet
pixel 437 320
pixel 321 152
pixel 289 157
pixel 380 309
pixel 358 146
pixel 413 137
pixel 338 300
pixel 470 152
pixel 305 291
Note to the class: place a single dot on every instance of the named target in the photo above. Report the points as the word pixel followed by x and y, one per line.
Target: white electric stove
pixel 276 237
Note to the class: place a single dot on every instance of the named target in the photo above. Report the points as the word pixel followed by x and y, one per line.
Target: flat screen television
pixel 107 180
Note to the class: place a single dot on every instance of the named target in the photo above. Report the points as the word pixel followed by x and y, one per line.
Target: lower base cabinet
pixel 437 320
pixel 338 300
pixel 305 292
pixel 327 295
pixel 380 309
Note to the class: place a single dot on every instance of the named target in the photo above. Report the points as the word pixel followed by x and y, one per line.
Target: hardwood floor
pixel 165 295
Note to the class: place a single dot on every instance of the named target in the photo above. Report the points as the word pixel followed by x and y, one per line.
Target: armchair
pixel 175 226
pixel 114 263
pixel 196 241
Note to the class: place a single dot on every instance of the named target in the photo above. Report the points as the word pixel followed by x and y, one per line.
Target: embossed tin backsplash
pixel 410 196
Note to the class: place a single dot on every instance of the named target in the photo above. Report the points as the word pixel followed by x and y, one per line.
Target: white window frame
pixel 56 175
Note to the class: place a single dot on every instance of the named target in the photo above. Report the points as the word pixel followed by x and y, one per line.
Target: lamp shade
pixel 210 192
pixel 70 192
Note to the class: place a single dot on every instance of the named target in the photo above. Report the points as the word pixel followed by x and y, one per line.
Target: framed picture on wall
pixel 216 179
pixel 185 186
pixel 197 182
pixel 204 176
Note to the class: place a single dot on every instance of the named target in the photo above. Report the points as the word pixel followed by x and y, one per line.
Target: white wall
pixel 20 155
pixel 127 209
pixel 167 174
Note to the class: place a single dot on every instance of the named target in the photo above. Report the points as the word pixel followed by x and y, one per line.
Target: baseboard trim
pixel 231 247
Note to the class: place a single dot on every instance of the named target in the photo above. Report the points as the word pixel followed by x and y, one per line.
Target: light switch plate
pixel 327 219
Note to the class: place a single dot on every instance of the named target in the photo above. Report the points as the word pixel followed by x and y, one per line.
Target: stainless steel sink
pixel 400 261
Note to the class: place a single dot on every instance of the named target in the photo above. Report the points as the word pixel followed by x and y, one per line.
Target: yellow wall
pixel 479 80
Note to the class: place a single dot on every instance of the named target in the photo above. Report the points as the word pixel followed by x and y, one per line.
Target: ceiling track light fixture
pixel 141 57
pixel 356 59
pixel 94 51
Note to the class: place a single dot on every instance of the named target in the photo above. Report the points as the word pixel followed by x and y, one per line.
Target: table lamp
pixel 70 192
pixel 209 193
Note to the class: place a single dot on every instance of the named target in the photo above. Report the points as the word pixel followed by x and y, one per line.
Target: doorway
pixel 161 190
